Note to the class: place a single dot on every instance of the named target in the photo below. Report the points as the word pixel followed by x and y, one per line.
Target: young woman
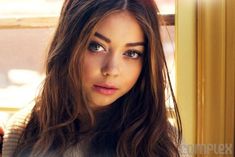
pixel 104 91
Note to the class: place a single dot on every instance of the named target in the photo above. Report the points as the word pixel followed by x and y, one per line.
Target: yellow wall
pixel 205 72
pixel 186 66
pixel 216 72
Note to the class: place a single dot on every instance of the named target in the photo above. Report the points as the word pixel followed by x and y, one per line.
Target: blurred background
pixel 25 30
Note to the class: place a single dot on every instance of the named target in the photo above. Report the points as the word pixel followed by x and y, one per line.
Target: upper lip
pixel 106 85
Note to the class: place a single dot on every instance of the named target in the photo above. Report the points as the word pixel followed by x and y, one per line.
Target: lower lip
pixel 105 91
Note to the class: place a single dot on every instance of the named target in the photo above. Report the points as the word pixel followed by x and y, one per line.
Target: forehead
pixel 121 25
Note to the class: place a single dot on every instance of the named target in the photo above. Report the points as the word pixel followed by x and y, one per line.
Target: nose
pixel 111 66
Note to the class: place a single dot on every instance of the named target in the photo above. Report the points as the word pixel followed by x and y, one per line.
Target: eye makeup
pixel 95 47
pixel 133 54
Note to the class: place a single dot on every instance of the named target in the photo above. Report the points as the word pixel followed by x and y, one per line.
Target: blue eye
pixel 133 54
pixel 95 47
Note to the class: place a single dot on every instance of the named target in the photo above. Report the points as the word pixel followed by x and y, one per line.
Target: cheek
pixel 91 66
pixel 131 74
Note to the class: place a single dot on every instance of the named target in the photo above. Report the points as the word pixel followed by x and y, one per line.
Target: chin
pixel 102 103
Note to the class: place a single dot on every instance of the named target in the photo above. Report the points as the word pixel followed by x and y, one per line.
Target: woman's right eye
pixel 95 47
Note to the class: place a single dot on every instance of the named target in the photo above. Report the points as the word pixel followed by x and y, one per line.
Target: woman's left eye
pixel 133 54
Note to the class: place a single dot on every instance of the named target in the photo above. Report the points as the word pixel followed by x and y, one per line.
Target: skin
pixel 114 57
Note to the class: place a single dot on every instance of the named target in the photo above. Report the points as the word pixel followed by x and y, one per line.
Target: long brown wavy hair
pixel 135 125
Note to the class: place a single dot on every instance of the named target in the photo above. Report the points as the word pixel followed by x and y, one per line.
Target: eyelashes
pixel 95 47
pixel 133 54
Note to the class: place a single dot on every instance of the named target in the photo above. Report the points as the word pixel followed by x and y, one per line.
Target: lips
pixel 105 89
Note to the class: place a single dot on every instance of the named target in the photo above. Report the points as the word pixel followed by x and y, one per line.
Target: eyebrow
pixel 102 37
pixel 135 44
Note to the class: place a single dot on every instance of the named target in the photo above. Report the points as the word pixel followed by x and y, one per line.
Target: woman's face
pixel 113 59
